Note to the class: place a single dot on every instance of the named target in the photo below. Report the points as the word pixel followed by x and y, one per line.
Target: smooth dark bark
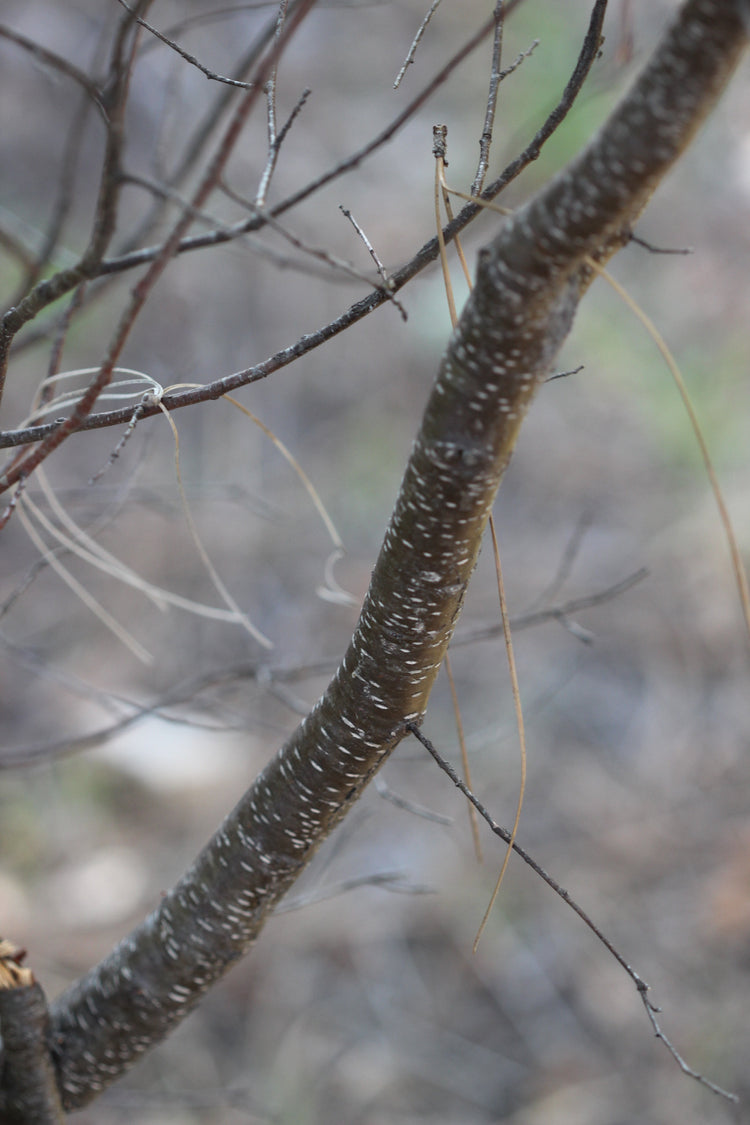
pixel 529 282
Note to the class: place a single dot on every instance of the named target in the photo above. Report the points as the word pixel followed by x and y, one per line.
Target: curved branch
pixel 529 283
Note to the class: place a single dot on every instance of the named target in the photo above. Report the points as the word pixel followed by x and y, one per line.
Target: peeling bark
pixel 529 282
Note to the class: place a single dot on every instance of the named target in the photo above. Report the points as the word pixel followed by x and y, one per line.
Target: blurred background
pixel 362 1001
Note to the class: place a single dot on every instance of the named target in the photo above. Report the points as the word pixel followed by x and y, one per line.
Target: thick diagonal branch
pixel 529 283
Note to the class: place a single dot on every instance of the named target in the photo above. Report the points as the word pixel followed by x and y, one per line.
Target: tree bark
pixel 29 1093
pixel 529 282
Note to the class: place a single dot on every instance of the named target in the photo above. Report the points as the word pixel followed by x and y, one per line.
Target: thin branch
pixel 553 613
pixel 317 252
pixel 415 43
pixel 399 802
pixel 274 145
pixel 57 62
pixel 589 53
pixel 660 249
pixel 64 198
pixel 189 23
pixel 566 374
pixel 382 271
pixel 210 74
pixel 640 984
pixel 270 92
pixel 567 561
pixel 485 140
pixel 392 881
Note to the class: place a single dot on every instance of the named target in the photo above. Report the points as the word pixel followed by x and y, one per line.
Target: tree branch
pixel 529 282
pixel 28 1088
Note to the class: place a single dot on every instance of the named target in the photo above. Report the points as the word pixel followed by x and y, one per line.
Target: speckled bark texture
pixel 529 282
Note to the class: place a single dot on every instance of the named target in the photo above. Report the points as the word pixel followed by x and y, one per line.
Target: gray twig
pixel 640 984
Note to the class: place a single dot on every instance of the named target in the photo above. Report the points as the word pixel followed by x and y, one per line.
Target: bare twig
pixel 553 613
pixel 210 74
pixel 565 374
pixel 660 249
pixel 382 271
pixel 392 881
pixel 124 439
pixel 384 791
pixel 318 252
pixel 589 52
pixel 57 62
pixel 275 144
pixel 63 201
pixel 415 43
pixel 486 138
pixel 637 980
pixel 565 566
pixel 489 116
pixel 270 92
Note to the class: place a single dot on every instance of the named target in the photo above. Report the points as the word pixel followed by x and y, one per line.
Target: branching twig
pixel 192 153
pixel 270 92
pixel 106 208
pixel 637 980
pixel 144 287
pixel 426 255
pixel 489 116
pixel 589 52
